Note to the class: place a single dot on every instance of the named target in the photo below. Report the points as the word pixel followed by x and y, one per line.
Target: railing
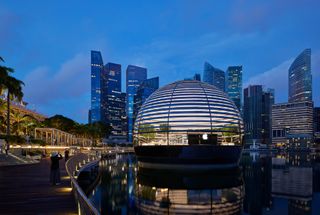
pixel 81 161
pixel 73 166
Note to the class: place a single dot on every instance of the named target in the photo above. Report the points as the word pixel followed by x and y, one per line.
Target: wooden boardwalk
pixel 25 189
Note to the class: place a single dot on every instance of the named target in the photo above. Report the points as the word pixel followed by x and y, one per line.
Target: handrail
pixel 84 204
pixel 75 165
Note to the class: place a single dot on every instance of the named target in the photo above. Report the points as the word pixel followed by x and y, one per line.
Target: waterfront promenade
pixel 25 189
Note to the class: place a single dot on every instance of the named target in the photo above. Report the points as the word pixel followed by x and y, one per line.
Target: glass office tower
pixel 300 78
pixel 214 76
pixel 124 118
pixel 111 97
pixel 146 88
pixel 197 77
pixel 96 70
pixel 316 122
pixel 234 84
pixel 135 76
pixel 257 114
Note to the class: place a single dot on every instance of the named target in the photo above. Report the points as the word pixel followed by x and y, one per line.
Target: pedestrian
pixel 55 168
pixel 66 155
pixel 2 146
pixel 7 146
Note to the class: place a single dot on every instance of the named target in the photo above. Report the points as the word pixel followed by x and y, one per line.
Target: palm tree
pixel 18 120
pixel 14 91
pixel 4 73
pixel 29 124
pixel 13 87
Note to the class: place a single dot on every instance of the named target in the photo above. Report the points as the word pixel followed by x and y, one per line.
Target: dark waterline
pixel 263 184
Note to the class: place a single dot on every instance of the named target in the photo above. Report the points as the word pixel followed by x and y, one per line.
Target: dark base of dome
pixel 191 157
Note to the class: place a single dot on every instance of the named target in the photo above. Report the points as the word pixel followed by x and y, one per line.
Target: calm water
pixel 263 184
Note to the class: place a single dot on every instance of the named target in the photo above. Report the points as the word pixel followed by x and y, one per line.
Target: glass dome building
pixel 188 122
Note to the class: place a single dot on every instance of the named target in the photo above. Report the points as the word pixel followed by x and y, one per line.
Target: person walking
pixel 66 155
pixel 6 147
pixel 55 168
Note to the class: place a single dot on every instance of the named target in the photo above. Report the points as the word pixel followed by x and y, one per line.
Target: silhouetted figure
pixel 55 168
pixel 6 147
pixel 66 155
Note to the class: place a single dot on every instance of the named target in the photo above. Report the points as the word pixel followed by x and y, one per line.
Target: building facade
pixel 135 75
pixel 292 124
pixel 316 121
pixel 111 105
pixel 234 85
pixel 214 76
pixel 197 77
pixel 124 118
pixel 146 88
pixel 96 70
pixel 300 78
pixel 257 114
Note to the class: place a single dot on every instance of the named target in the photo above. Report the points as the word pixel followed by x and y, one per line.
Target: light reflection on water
pixel 263 184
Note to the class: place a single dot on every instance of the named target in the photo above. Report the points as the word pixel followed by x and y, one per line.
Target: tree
pixel 2 116
pixel 18 120
pixel 95 131
pixel 147 131
pixel 13 87
pixel 60 122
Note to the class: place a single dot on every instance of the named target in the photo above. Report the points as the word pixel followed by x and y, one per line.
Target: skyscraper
pixel 146 88
pixel 197 77
pixel 96 69
pixel 234 84
pixel 292 124
pixel 257 114
pixel 214 76
pixel 300 78
pixel 316 122
pixel 111 106
pixel 135 76
pixel 124 118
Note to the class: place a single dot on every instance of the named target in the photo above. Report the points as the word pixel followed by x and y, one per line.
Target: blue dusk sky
pixel 49 42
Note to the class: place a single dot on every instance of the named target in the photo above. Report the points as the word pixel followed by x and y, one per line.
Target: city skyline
pixel 176 48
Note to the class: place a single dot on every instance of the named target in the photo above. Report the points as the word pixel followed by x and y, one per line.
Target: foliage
pixel 95 131
pixel 60 122
pixel 13 139
pixel 164 127
pixel 229 131
pixel 13 87
pixel 38 141
pixel 147 131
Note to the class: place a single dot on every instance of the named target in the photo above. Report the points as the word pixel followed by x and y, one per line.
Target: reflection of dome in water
pixel 188 122
pixel 169 192
pixel 188 112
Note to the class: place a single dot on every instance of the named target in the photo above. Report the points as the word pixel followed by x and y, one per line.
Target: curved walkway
pixel 25 189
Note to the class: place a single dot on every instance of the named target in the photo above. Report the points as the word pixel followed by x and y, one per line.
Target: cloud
pixel 180 58
pixel 277 78
pixel 70 83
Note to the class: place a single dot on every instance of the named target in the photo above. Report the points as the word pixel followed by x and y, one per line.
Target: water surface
pixel 263 184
